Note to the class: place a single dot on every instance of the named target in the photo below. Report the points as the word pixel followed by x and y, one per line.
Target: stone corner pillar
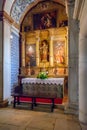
pixel 73 36
pixel 3 102
pixel 83 80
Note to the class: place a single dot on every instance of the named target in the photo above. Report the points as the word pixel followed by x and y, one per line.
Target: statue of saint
pixel 44 51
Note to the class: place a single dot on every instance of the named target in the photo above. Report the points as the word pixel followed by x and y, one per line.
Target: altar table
pixel 43 87
pixel 34 88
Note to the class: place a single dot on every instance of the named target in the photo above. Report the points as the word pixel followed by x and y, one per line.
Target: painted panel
pixel 31 55
pixel 45 20
pixel 59 52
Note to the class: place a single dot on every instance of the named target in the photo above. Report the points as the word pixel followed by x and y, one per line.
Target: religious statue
pixel 44 51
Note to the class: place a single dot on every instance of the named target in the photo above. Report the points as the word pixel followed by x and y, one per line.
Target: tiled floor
pixel 38 119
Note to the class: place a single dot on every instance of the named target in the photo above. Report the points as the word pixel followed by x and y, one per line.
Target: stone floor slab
pixel 42 123
pixel 20 119
pixel 63 124
pixel 8 127
pixel 31 128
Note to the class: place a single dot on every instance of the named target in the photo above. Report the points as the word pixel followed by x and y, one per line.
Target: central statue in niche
pixel 44 51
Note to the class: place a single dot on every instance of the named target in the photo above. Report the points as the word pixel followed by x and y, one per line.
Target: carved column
pixel 73 32
pixel 51 52
pixel 23 49
pixel 37 52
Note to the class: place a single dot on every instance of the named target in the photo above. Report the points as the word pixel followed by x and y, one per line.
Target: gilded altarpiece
pixel 46 50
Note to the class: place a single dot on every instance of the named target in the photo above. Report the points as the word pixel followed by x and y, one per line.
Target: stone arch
pixel 18 9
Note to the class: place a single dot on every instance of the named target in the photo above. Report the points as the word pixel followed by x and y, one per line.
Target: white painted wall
pixel 6 61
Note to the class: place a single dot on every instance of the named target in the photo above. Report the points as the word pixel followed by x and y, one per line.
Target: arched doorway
pixel 18 16
pixel 35 30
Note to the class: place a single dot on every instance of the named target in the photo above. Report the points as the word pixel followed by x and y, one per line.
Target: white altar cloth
pixel 56 81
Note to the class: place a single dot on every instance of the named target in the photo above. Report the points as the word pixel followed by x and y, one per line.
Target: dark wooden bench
pixel 18 93
pixel 33 101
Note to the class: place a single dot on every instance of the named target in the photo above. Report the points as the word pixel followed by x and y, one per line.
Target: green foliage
pixel 42 75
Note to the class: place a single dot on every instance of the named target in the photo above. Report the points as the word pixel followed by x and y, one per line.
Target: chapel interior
pixel 45 36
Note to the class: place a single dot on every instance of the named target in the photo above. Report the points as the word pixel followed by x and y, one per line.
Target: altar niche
pixel 44 51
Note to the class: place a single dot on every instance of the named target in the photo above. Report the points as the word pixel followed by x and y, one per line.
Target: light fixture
pixel 11 36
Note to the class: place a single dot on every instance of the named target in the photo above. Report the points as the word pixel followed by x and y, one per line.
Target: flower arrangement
pixel 42 75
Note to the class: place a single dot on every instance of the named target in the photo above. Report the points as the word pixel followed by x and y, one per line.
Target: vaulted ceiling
pixel 17 9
